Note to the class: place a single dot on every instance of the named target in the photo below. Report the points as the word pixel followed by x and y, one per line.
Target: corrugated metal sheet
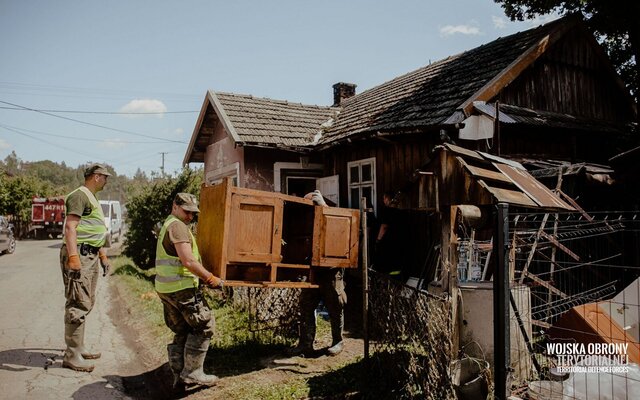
pixel 538 192
pixel 507 181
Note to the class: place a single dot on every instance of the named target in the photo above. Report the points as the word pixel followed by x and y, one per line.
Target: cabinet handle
pixel 276 230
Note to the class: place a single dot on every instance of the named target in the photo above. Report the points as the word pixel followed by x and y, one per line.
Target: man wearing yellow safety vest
pixel 80 255
pixel 186 312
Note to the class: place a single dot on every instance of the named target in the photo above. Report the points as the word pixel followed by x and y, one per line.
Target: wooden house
pixel 549 92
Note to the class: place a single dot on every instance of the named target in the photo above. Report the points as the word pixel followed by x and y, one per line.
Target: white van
pixel 112 219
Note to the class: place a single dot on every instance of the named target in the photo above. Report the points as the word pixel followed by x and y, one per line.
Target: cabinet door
pixel 335 237
pixel 255 229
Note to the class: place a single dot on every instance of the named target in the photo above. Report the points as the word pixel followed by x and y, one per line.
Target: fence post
pixel 501 293
pixel 365 277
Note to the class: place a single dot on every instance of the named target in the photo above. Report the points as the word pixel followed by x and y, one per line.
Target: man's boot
pixel 176 363
pixel 86 353
pixel 73 336
pixel 195 351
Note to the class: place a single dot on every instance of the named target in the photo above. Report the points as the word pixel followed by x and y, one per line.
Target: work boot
pixel 176 363
pixel 73 336
pixel 335 349
pixel 301 349
pixel 86 353
pixel 195 351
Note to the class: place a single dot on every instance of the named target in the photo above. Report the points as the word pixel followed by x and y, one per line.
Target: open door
pixel 255 234
pixel 329 187
pixel 335 237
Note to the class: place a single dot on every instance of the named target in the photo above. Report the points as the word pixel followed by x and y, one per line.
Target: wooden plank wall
pixel 570 78
pixel 396 160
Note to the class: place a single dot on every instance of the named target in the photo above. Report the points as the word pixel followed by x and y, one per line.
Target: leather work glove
pixel 106 265
pixel 74 262
pixel 214 282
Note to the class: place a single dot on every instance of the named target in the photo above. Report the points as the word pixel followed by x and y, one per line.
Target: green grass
pixel 235 350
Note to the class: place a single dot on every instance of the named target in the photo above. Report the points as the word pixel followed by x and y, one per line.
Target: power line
pixel 14 129
pixel 91 124
pixel 102 112
pixel 67 91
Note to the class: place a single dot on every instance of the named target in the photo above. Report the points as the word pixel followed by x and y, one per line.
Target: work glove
pixel 106 265
pixel 74 262
pixel 214 282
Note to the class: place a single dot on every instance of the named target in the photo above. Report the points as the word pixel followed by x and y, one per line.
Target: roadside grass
pixel 236 353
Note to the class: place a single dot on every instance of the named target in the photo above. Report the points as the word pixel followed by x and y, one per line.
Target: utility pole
pixel 162 166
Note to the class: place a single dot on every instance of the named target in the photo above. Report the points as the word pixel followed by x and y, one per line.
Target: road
pixel 32 332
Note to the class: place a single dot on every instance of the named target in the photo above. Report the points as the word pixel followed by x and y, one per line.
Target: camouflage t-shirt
pixel 177 232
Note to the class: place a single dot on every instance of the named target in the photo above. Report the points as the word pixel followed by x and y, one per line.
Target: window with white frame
pixel 362 182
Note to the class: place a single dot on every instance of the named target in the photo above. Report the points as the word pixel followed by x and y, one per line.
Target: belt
pixel 87 249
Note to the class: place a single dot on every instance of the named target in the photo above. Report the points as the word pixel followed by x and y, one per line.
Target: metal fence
pixel 410 335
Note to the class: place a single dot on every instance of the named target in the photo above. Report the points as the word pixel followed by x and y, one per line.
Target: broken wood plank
pixel 533 247
pixel 540 324
pixel 560 246
pixel 546 284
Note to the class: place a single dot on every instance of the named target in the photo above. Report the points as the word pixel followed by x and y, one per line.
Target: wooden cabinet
pixel 255 238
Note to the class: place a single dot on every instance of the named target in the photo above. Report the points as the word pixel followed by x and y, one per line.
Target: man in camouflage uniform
pixel 331 290
pixel 186 312
pixel 81 252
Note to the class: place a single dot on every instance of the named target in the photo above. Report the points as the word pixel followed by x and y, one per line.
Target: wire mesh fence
pixel 273 313
pixel 410 335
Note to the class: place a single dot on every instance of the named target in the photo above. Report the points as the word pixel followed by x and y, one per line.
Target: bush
pixel 150 205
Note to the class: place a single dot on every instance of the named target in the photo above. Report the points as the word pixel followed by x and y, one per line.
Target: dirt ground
pixel 155 383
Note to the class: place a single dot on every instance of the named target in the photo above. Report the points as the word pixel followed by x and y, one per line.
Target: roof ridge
pixel 270 100
pixel 437 63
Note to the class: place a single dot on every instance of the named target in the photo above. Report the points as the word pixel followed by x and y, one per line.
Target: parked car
pixel 7 240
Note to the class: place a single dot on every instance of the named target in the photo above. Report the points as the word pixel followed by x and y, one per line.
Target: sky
pixel 123 81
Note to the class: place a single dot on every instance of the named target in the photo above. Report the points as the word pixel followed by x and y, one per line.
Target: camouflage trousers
pixel 187 312
pixel 79 291
pixel 331 291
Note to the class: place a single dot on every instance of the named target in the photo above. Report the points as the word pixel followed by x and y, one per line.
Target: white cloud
pixel 144 106
pixel 449 30
pixel 4 145
pixel 179 131
pixel 114 144
pixel 498 22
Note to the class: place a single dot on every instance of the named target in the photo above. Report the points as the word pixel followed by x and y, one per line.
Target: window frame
pixel 362 184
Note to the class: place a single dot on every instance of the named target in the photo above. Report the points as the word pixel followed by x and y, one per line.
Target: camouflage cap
pixel 187 201
pixel 96 169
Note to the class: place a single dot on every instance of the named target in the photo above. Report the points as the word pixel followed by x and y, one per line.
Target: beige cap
pixel 187 201
pixel 96 169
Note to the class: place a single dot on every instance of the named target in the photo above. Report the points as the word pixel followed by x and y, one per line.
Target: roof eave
pixel 212 99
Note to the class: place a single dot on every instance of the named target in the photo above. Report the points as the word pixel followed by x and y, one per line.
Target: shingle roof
pixel 429 95
pixel 520 115
pixel 274 122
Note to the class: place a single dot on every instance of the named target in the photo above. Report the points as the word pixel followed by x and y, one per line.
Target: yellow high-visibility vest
pixel 171 275
pixel 91 229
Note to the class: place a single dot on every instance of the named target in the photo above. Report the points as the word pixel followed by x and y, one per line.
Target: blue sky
pixel 85 65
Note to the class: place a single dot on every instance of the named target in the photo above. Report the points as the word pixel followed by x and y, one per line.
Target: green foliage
pixel 20 181
pixel 149 205
pixel 614 22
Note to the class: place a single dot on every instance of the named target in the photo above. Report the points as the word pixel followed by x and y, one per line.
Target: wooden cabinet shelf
pixel 255 238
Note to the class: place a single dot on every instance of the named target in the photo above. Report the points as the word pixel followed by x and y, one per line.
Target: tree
pixel 615 24
pixel 149 205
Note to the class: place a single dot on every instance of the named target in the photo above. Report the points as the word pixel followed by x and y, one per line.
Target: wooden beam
pixel 559 245
pixel 546 284
pixel 533 247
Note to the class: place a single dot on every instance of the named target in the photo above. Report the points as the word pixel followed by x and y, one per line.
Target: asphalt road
pixel 32 332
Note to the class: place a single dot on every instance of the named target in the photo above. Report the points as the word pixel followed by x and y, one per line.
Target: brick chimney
pixel 342 91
